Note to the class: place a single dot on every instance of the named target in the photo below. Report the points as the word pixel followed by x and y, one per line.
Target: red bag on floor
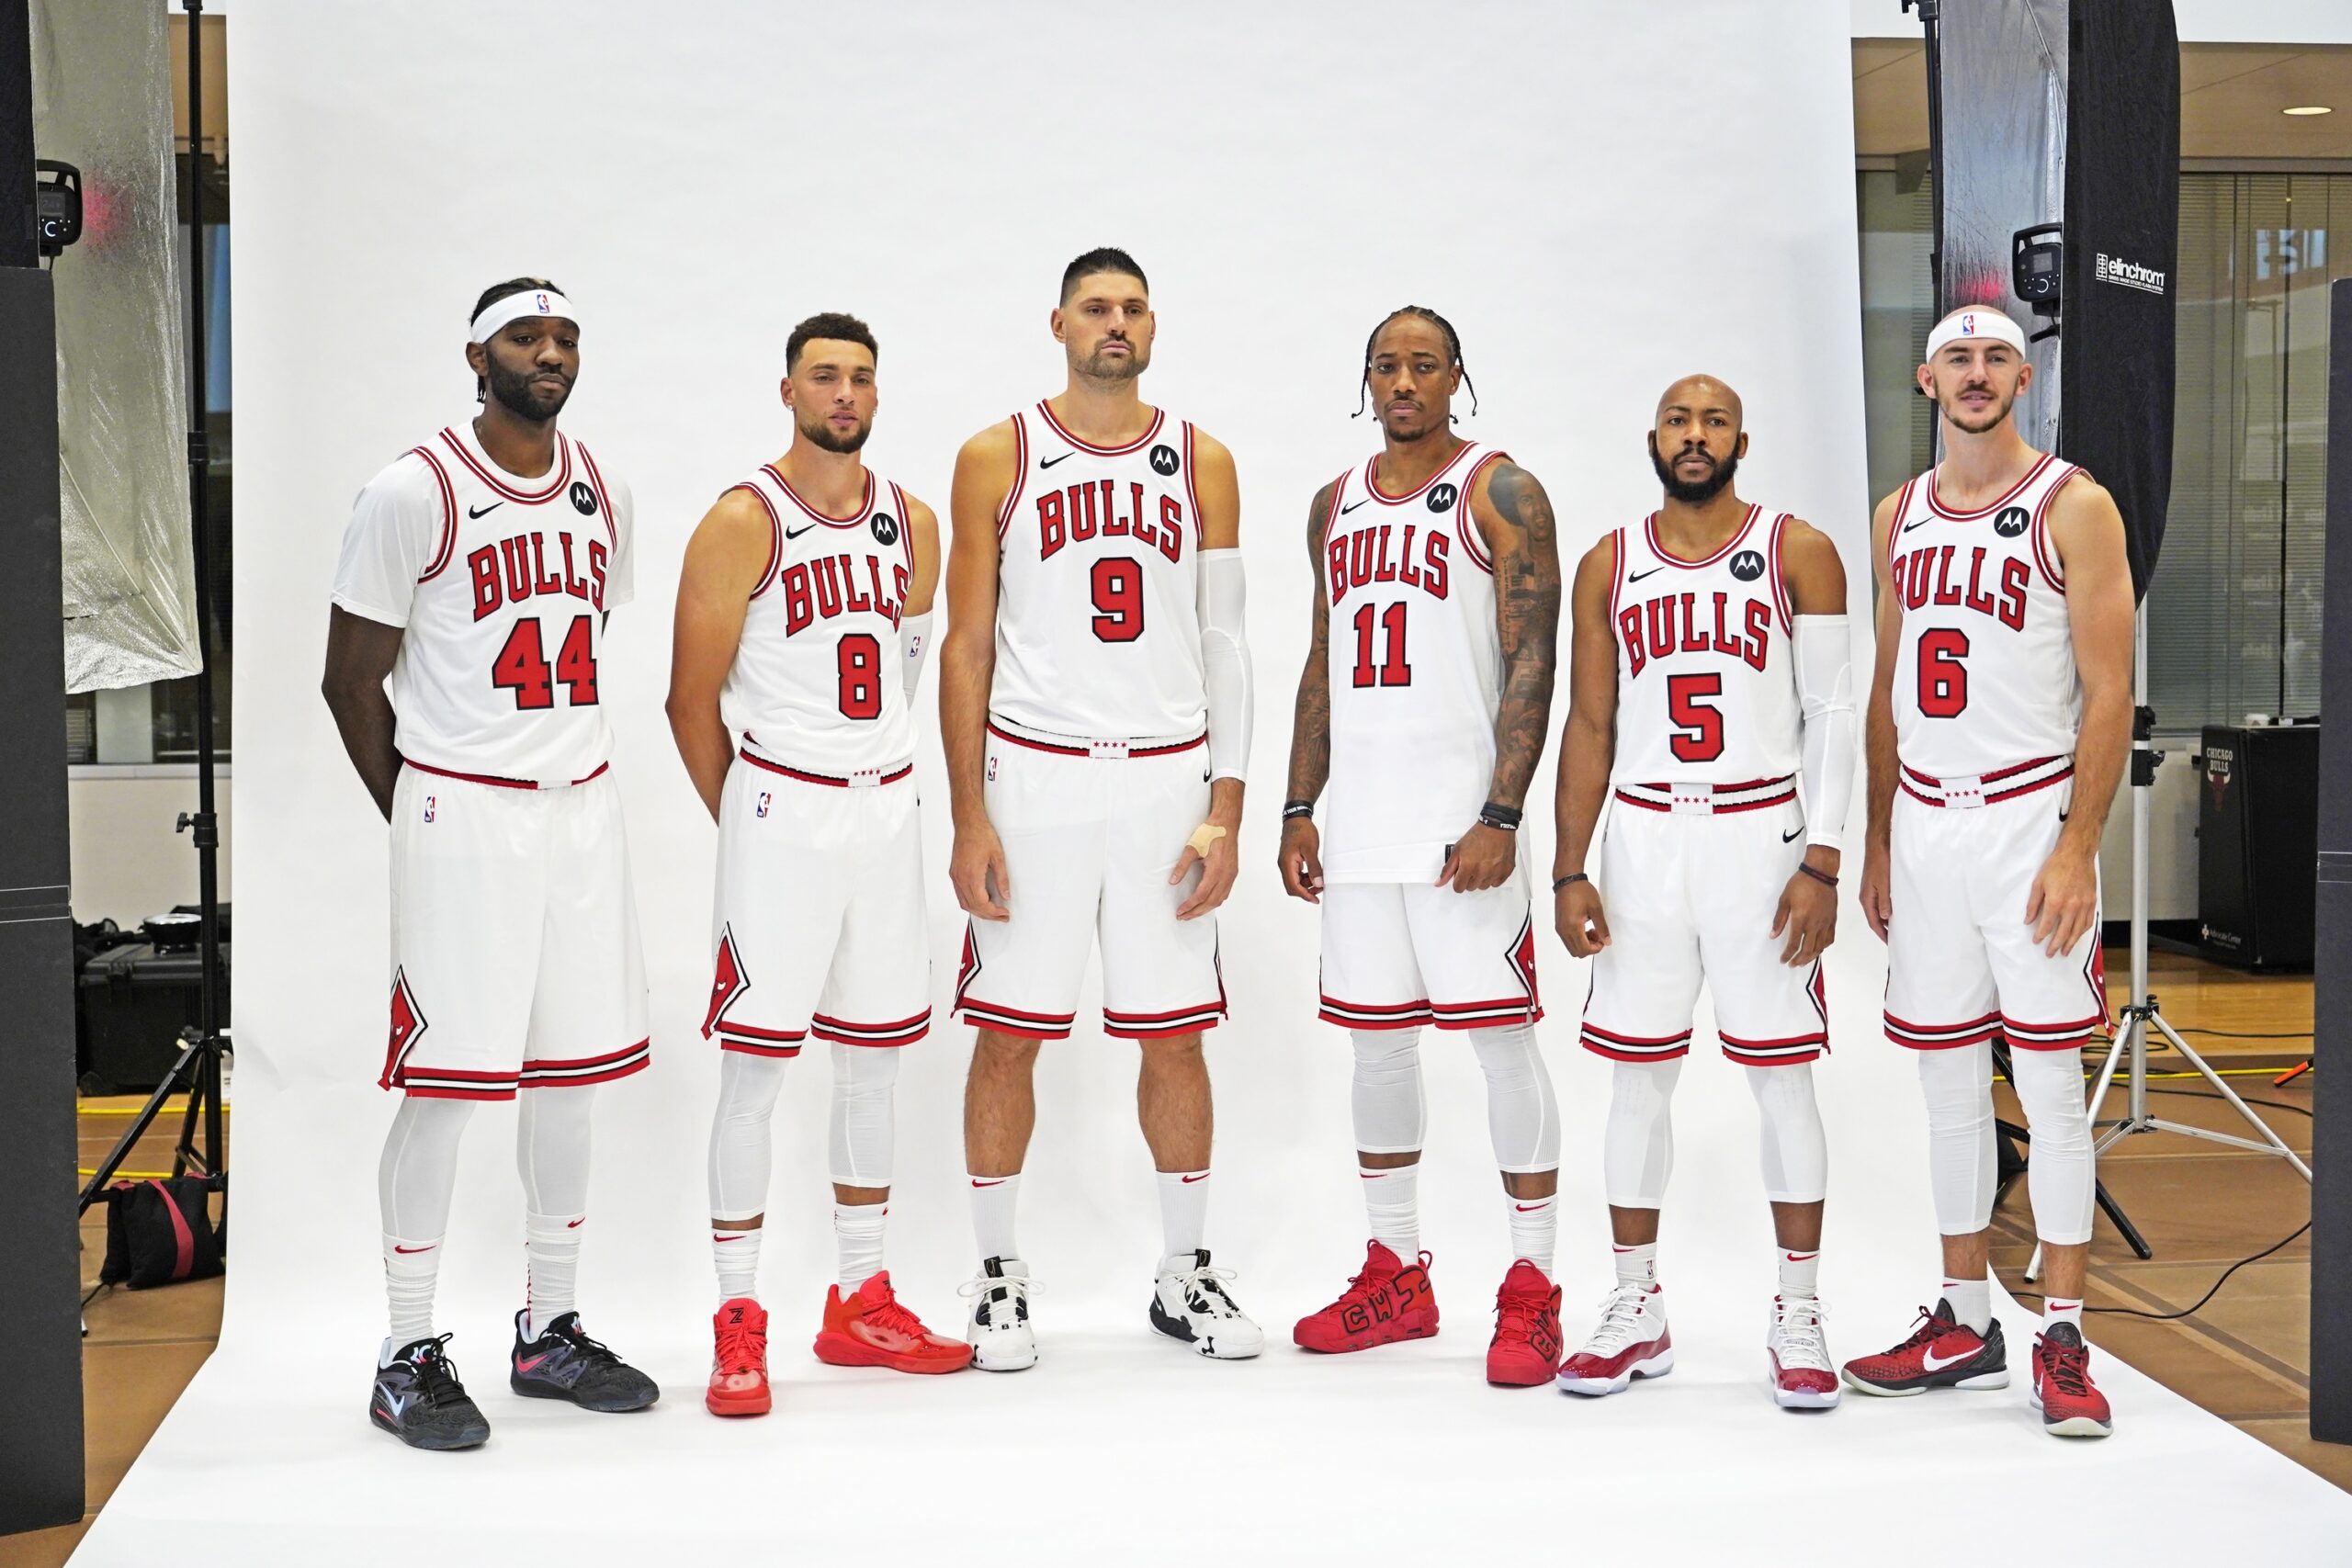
pixel 160 1233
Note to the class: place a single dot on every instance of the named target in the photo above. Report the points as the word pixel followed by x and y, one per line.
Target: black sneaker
pixel 564 1363
pixel 419 1400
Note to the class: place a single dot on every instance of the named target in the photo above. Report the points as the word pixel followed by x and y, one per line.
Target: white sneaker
pixel 1797 1356
pixel 1631 1342
pixel 1002 1339
pixel 1188 1302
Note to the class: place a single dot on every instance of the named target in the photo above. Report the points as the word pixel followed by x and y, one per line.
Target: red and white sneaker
pixel 739 1359
pixel 1391 1300
pixel 2071 1404
pixel 1942 1352
pixel 869 1328
pixel 1525 1350
pixel 1631 1342
pixel 1796 1354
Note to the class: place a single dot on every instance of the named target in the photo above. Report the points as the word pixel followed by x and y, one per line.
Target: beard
pixel 1693 493
pixel 821 434
pixel 1095 366
pixel 1957 418
pixel 518 397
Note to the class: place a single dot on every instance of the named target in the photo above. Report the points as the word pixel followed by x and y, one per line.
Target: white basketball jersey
pixel 1416 672
pixel 1706 673
pixel 501 584
pixel 1098 631
pixel 817 681
pixel 1984 674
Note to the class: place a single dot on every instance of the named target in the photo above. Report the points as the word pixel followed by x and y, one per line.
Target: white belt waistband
pixel 1709 799
pixel 1967 794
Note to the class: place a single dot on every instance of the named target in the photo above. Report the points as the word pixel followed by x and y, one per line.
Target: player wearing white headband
pixel 476 573
pixel 1421 712
pixel 1999 718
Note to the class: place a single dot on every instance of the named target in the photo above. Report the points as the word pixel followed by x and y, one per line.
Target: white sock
pixel 412 1269
pixel 1535 1229
pixel 1637 1265
pixel 737 1254
pixel 1972 1301
pixel 1183 1210
pixel 993 1198
pixel 552 1245
pixel 1800 1273
pixel 2055 1311
pixel 1392 1201
pixel 857 1242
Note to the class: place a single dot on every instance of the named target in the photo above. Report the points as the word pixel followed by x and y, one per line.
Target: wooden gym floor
pixel 2244 1355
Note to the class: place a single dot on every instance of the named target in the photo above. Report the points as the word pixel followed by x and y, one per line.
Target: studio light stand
pixel 199 1065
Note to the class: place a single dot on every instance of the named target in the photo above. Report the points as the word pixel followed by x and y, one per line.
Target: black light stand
pixel 200 1066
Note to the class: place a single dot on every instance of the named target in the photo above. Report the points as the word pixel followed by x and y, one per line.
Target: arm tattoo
pixel 1310 729
pixel 1527 614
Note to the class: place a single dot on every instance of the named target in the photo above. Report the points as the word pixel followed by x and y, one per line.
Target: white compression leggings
pixel 742 1150
pixel 419 1171
pixel 1521 1116
pixel 1961 1164
pixel 1637 1149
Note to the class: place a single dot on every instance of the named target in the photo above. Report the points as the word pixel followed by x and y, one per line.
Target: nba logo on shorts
pixel 761 809
pixel 430 801
pixel 991 767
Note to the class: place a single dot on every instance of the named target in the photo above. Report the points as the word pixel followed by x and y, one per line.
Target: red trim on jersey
pixel 775 534
pixel 1936 505
pixel 1330 519
pixel 1371 477
pixel 492 779
pixel 604 498
pixel 1616 577
pixel 1779 582
pixel 1894 527
pixel 2045 554
pixel 1466 523
pixel 483 472
pixel 1200 740
pixel 906 536
pixel 1649 525
pixel 864 505
pixel 836 782
pixel 1020 476
pixel 1159 418
pixel 448 546
pixel 1193 494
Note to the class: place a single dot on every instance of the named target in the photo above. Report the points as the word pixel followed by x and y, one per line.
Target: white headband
pixel 498 313
pixel 1978 322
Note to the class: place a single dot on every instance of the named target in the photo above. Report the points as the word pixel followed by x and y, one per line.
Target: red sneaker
pixel 869 1328
pixel 1631 1341
pixel 2071 1404
pixel 1525 1350
pixel 1942 1352
pixel 739 1363
pixel 1391 1300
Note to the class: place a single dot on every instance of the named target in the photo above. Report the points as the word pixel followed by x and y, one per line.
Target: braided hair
pixel 1452 347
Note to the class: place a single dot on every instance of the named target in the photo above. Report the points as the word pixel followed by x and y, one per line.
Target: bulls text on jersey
pixel 518 567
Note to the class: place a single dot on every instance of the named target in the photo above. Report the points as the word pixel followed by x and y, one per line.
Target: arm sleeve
pixel 395 530
pixel 914 641
pixel 621 577
pixel 1224 662
pixel 1825 689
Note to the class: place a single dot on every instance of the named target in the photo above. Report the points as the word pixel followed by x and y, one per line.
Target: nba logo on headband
pixel 543 304
pixel 1967 322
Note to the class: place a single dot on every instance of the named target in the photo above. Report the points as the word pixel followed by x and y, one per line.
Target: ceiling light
pixel 2309 109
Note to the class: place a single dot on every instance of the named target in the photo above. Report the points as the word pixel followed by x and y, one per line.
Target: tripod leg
pixel 2123 1222
pixel 138 1129
pixel 2221 1086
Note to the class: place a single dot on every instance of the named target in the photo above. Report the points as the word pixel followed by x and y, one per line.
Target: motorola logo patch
pixel 1748 565
pixel 2012 521
pixel 584 499
pixel 1442 496
pixel 886 528
pixel 1163 460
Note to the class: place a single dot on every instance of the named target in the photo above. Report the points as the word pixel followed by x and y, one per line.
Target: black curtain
pixel 2122 225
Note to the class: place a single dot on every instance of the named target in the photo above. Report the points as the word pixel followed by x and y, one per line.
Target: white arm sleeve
pixel 914 641
pixel 1825 689
pixel 1224 663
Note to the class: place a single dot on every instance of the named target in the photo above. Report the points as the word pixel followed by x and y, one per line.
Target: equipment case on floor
pixel 134 1002
pixel 2257 843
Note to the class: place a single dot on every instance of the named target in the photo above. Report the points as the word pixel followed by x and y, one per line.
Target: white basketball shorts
pixel 1401 954
pixel 819 922
pixel 514 948
pixel 1689 893
pixel 1961 964
pixel 1089 836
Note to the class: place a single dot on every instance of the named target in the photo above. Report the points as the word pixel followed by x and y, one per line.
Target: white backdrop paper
pixel 1598 202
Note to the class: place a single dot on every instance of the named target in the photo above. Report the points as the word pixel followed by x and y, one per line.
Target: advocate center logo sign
pixel 2106 268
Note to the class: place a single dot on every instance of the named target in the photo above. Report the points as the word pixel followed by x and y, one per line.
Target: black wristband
pixel 1571 879
pixel 1297 808
pixel 1495 815
pixel 1817 875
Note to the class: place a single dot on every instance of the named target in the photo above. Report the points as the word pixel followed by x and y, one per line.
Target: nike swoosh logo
pixel 2064 814
pixel 406 1249
pixel 1921 523
pixel 1527 1208
pixel 1049 462
pixel 1801 1257
pixel 483 511
pixel 1190 1180
pixel 1637 576
pixel 399 1407
pixel 998 1182
pixel 526 1366
pixel 1353 505
pixel 1927 1359
pixel 1790 837
pixel 796 533
pixel 576 1224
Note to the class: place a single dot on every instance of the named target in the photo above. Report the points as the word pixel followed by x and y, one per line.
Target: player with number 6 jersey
pixel 804 612
pixel 463 664
pixel 1711 678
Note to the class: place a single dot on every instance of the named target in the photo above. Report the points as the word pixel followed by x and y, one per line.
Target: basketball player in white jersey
pixel 462 669
pixel 1094 700
pixel 804 612
pixel 1709 676
pixel 1438 581
pixel 1999 718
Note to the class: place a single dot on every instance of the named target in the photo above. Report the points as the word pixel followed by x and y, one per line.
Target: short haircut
pixel 497 292
pixel 1102 258
pixel 837 325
